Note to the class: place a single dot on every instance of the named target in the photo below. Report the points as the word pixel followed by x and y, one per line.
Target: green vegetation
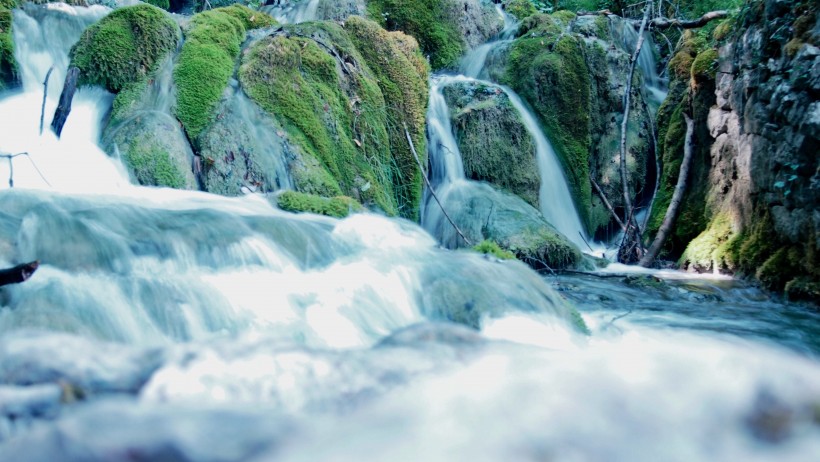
pixel 489 247
pixel 8 65
pixel 338 207
pixel 206 63
pixel 164 4
pixel 345 95
pixel 520 8
pixel 426 20
pixel 704 66
pixel 547 68
pixel 124 47
pixel 153 166
pixel 401 73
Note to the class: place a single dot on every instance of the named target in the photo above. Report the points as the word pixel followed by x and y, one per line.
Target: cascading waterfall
pixel 293 11
pixel 173 325
pixel 655 87
pixel 473 63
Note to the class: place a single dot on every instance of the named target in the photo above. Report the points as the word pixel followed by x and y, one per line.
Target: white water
pixel 655 87
pixel 447 171
pixel 472 64
pixel 293 11
pixel 245 333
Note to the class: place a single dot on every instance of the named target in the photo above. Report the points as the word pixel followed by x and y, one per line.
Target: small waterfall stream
pixel 174 325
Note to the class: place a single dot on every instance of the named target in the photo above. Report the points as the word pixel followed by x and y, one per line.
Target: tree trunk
pixel 19 273
pixel 64 107
pixel 677 198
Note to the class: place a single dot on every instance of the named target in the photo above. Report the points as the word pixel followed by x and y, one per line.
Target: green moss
pixel 8 65
pixel 206 63
pixel 704 65
pixel 779 269
pixel 804 289
pixel 428 21
pixel 723 30
pixel 164 4
pixel 489 247
pixel 401 74
pixel 565 16
pixel 547 68
pixel 520 9
pixel 707 251
pixel 153 166
pixel 127 98
pixel 338 207
pixel 124 47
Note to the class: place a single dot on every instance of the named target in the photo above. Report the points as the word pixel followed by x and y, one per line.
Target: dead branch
pixel 45 95
pixel 677 198
pixel 625 123
pixel 666 23
pixel 608 205
pixel 430 187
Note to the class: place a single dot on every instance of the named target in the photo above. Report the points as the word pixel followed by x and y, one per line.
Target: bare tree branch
pixel 677 198
pixel 608 205
pixel 666 23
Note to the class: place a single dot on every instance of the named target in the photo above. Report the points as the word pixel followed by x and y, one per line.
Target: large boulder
pixel 483 212
pixel 494 143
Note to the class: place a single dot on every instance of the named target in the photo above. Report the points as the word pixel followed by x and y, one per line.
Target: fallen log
pixel 19 273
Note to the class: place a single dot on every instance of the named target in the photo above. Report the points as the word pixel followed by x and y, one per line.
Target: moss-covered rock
pixel 445 29
pixel 401 74
pixel 338 207
pixel 494 143
pixel 317 81
pixel 8 65
pixel 520 9
pixel 206 62
pixel 124 47
pixel 482 212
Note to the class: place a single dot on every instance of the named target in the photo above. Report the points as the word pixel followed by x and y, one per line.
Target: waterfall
pixel 293 11
pixel 655 87
pixel 472 64
pixel 148 265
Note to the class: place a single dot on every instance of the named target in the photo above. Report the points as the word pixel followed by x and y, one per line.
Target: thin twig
pixel 430 187
pixel 11 167
pixel 45 95
pixel 607 204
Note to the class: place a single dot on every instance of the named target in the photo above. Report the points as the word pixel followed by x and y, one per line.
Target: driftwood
pixel 64 107
pixel 430 187
pixel 677 197
pixel 19 273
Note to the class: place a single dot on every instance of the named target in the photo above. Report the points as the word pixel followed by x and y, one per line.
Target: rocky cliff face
pixel 764 172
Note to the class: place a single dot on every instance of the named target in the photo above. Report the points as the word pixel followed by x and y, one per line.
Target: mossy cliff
pixel 572 74
pixel 494 143
pixel 758 213
pixel 344 95
pixel 445 29
pixel 8 65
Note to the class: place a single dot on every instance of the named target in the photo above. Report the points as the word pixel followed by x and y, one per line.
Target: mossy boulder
pixel 483 212
pixel 494 143
pixel 244 149
pixel 488 247
pixel 445 29
pixel 124 47
pixel 207 60
pixel 520 9
pixel 337 207
pixel 8 65
pixel 317 81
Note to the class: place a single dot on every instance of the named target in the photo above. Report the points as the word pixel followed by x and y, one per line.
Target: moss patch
pixel 401 74
pixel 338 207
pixel 546 67
pixel 206 63
pixel 124 47
pixel 489 247
pixel 520 9
pixel 8 65
pixel 153 166
pixel 426 20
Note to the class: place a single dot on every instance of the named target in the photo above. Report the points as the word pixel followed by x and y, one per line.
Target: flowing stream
pixel 172 325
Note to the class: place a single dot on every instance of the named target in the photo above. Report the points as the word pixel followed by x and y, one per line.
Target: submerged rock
pixel 482 212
